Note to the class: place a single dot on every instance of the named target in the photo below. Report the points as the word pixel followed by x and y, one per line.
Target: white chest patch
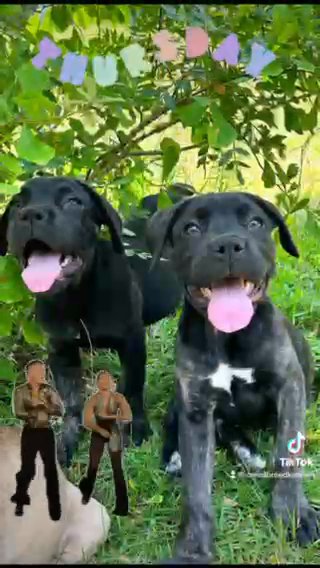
pixel 224 375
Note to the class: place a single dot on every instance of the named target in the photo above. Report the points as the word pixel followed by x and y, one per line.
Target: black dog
pixel 238 358
pixel 87 295
pixel 153 283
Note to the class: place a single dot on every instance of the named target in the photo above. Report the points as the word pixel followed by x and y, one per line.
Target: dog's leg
pixel 171 459
pixel 288 498
pixel 196 443
pixel 65 364
pixel 133 359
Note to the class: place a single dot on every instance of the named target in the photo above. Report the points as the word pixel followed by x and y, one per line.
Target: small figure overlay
pixel 35 402
pixel 105 413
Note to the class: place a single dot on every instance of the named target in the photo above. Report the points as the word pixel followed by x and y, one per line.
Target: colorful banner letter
pixel 168 47
pixel 133 58
pixel 47 50
pixel 260 58
pixel 228 50
pixel 197 42
pixel 105 70
pixel 73 69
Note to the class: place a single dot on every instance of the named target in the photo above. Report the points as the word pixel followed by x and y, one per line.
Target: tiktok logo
pixel 296 445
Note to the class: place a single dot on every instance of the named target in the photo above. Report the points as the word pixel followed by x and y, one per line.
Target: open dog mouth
pixel 229 303
pixel 43 266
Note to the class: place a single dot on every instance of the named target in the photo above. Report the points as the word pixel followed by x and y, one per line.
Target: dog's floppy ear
pixel 4 219
pixel 274 214
pixel 159 228
pixel 106 215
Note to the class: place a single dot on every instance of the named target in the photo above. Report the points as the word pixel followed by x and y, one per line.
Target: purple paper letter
pixel 228 50
pixel 47 50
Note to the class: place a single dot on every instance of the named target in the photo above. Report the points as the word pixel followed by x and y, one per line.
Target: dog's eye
pixel 192 229
pixel 73 201
pixel 255 223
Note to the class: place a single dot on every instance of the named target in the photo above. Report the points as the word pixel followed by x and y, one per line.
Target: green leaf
pixel 292 171
pixel 7 370
pixel 240 177
pixel 9 189
pixel 31 79
pixel 304 65
pixel 10 163
pixel 12 288
pixel 292 119
pixel 5 321
pixel 7 10
pixel 281 173
pixel 61 17
pixel 227 134
pixel 268 175
pixel 31 148
pixel 171 154
pixel 38 108
pixel 32 332
pixel 164 200
pixel 5 114
pixel 191 115
pixel 301 204
pixel 273 69
pixel 285 24
pixel 212 132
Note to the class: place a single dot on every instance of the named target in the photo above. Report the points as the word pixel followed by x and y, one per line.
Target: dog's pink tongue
pixel 42 271
pixel 230 309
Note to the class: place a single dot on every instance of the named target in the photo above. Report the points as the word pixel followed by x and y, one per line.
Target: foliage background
pixel 196 121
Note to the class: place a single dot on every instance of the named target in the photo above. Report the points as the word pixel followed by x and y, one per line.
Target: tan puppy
pixel 34 538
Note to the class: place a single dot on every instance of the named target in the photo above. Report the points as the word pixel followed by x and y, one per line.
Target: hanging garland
pixel 105 68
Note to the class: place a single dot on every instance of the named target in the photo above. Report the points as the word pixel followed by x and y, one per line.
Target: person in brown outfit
pixel 102 414
pixel 35 402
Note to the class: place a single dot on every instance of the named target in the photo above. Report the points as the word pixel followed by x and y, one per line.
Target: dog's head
pixel 220 244
pixel 52 226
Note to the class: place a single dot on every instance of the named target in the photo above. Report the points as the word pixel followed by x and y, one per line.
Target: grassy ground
pixel 244 533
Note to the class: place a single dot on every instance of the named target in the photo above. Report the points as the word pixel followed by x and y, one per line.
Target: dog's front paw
pixel 173 466
pixel 308 530
pixel 141 430
pixel 290 507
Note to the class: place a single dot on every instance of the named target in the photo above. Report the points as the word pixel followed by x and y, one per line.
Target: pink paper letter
pixel 197 41
pixel 168 47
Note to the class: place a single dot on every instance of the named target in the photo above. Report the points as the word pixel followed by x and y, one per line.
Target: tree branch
pixel 121 149
pixel 159 152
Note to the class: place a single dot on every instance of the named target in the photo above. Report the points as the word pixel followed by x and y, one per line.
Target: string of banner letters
pixel 105 68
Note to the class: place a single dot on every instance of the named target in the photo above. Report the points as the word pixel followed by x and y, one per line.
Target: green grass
pixel 244 532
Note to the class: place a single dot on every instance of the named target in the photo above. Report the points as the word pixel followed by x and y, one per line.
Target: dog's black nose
pixel 227 246
pixel 31 214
